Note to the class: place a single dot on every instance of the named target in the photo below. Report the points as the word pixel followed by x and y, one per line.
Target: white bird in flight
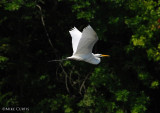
pixel 82 44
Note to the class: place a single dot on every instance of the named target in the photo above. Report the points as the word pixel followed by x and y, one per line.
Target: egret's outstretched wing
pixel 76 36
pixel 87 41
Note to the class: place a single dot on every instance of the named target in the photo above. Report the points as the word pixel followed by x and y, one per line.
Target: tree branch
pixel 66 76
pixel 82 85
pixel 44 26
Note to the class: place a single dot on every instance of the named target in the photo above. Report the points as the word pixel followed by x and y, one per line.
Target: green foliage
pixel 43 77
pixel 119 111
pixel 145 26
pixel 87 101
pixel 155 84
pixel 12 5
pixel 83 9
pixel 7 100
pixel 127 82
pixel 139 106
pixel 143 76
pixel 3 59
pixel 138 42
pixel 153 53
pixel 59 103
pixel 122 95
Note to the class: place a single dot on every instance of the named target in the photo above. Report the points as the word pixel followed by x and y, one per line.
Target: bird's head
pixel 101 55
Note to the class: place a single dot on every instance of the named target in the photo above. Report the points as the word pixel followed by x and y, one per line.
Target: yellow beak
pixel 105 55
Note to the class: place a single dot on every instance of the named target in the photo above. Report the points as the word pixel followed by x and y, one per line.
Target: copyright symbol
pixel 3 108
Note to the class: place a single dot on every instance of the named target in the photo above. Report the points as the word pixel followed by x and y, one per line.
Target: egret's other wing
pixel 76 36
pixel 87 41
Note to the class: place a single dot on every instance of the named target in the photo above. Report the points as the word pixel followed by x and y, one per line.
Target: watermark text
pixel 15 108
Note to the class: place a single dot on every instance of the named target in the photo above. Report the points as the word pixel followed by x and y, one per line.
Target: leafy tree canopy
pixel 34 32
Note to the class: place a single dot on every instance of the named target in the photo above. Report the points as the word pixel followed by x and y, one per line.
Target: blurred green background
pixel 127 82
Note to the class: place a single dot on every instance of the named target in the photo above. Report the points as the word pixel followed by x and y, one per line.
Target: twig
pixel 66 76
pixel 49 40
pixel 44 26
pixel 70 78
pixel 82 85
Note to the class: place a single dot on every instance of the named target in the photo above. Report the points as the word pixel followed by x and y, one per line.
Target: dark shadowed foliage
pixel 34 32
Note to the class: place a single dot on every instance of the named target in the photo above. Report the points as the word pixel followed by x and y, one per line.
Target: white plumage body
pixel 82 44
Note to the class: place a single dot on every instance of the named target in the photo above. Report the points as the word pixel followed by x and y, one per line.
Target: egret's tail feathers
pixel 57 60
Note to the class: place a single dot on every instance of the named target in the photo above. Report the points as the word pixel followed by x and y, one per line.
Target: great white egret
pixel 82 44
